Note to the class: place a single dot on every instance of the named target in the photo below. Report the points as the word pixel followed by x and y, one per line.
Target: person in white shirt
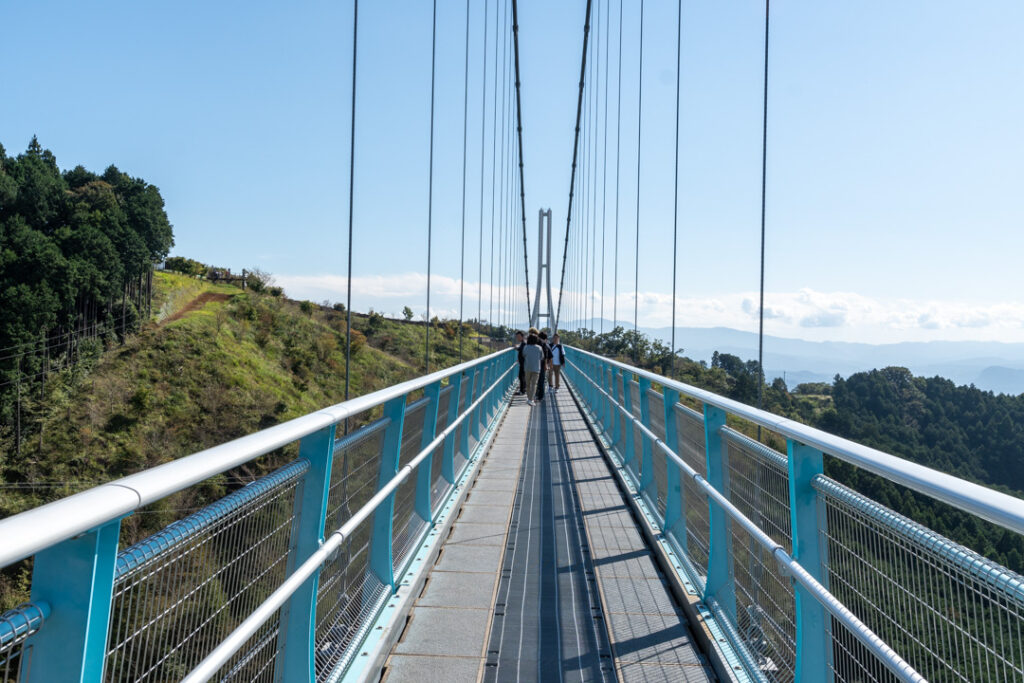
pixel 557 361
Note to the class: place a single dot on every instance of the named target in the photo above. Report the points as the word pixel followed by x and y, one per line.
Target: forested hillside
pixel 973 434
pixel 213 364
pixel 76 256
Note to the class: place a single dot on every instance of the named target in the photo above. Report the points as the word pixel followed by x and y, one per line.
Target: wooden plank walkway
pixel 545 575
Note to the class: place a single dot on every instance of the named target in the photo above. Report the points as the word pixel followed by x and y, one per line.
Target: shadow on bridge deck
pixel 545 575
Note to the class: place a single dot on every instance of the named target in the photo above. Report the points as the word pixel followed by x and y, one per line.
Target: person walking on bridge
pixel 520 345
pixel 542 341
pixel 557 361
pixel 533 358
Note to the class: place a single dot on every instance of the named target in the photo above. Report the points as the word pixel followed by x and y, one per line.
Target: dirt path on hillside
pixel 195 305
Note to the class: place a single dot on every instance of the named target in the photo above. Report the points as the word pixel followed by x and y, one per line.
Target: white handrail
pixel 27 533
pixel 889 657
pixel 998 508
pixel 237 639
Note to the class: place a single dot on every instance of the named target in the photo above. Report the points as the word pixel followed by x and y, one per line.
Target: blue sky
pixel 896 153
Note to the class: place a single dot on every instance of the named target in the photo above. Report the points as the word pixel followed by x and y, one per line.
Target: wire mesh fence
pixel 439 485
pixel 953 614
pixel 692 532
pixel 348 592
pixel 656 404
pixel 408 526
pixel 16 626
pixel 757 483
pixel 178 592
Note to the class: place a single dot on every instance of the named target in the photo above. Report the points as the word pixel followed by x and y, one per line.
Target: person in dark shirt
pixel 542 340
pixel 520 343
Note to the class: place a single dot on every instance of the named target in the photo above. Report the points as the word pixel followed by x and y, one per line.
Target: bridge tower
pixel 543 271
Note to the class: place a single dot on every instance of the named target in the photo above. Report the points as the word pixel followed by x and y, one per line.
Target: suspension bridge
pixel 627 527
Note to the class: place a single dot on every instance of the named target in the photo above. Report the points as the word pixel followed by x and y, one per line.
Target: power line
pixel 575 151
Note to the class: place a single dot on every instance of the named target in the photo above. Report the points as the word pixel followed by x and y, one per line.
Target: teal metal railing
pixel 279 580
pixel 808 579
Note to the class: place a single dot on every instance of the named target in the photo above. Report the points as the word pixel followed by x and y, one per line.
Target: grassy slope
pixel 222 371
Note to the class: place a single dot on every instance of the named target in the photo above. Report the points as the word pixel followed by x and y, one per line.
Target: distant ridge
pixel 992 366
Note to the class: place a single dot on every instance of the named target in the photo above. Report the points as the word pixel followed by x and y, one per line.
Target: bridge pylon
pixel 543 271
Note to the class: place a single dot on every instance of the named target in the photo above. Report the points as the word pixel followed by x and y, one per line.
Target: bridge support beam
pixel 720 586
pixel 76 579
pixel 297 634
pixel 424 486
pixel 381 559
pixel 813 645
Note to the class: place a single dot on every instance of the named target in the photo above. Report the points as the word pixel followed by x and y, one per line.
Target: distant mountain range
pixel 992 366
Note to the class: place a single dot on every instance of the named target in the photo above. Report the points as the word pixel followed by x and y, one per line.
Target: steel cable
pixel 575 151
pixel 351 198
pixel 675 204
pixel 430 191
pixel 764 179
pixel 639 138
pixel 483 137
pixel 465 131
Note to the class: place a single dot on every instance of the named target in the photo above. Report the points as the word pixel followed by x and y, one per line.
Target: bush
pixel 186 266
pixel 257 280
pixel 275 291
pixel 306 307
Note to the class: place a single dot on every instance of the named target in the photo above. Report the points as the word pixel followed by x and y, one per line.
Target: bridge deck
pixel 545 575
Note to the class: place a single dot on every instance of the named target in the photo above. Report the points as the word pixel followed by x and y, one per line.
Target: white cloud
pixel 806 314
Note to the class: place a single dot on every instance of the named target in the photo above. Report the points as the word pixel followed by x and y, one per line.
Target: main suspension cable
pixel 575 151
pixel 519 133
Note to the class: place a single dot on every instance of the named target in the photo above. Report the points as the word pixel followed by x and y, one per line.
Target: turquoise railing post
pixel 602 406
pixel 469 387
pixel 647 485
pixel 628 452
pixel 813 645
pixel 617 417
pixel 381 562
pixel 448 455
pixel 611 412
pixel 720 585
pixel 674 494
pixel 296 639
pixel 424 486
pixel 473 421
pixel 76 579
